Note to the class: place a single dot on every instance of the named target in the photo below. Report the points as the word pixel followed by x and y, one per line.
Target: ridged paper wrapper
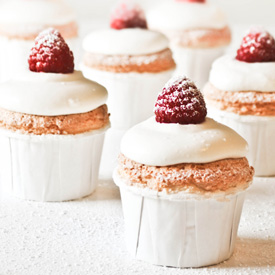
pixel 258 131
pixel 195 63
pixel 50 167
pixel 181 229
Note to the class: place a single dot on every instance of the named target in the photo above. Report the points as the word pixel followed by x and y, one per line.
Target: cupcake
pixel 52 124
pixel 198 34
pixel 21 21
pixel 133 63
pixel 241 94
pixel 182 178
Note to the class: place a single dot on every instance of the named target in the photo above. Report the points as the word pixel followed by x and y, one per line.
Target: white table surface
pixel 86 236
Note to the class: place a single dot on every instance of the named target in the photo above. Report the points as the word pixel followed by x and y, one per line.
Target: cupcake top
pixel 52 87
pixel 230 74
pixel 156 144
pixel 29 16
pixel 128 35
pixel 181 132
pixel 252 69
pixel 131 41
pixel 51 94
pixel 185 15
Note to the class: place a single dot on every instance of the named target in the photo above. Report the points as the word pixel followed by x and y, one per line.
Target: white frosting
pixel 50 94
pixel 160 144
pixel 230 74
pixel 125 42
pixel 176 15
pixel 41 12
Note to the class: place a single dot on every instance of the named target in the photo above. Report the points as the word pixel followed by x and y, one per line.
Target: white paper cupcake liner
pixel 131 99
pixel 258 131
pixel 195 63
pixel 50 167
pixel 14 54
pixel 111 150
pixel 131 96
pixel 180 230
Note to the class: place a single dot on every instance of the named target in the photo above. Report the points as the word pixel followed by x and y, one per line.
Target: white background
pixel 238 11
pixel 241 14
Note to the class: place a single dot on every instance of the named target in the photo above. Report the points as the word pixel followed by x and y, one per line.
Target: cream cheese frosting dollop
pixel 177 15
pixel 159 144
pixel 125 42
pixel 35 12
pixel 50 94
pixel 232 75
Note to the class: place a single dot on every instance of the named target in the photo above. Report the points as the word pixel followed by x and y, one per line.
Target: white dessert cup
pixel 179 230
pixel 111 150
pixel 131 96
pixel 14 54
pixel 195 63
pixel 131 99
pixel 258 131
pixel 51 167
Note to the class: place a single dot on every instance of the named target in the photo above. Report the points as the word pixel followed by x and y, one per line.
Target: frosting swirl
pixel 50 94
pixel 230 74
pixel 177 15
pixel 159 144
pixel 125 42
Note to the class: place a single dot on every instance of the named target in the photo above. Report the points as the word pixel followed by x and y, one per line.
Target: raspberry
pixel 192 1
pixel 257 46
pixel 51 54
pixel 180 102
pixel 128 16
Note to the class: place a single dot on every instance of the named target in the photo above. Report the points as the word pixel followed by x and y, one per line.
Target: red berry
pixel 51 54
pixel 180 102
pixel 128 16
pixel 257 46
pixel 192 1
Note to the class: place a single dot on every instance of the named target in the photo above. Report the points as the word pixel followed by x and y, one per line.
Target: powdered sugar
pixel 127 10
pixel 87 236
pixel 257 46
pixel 51 53
pixel 48 38
pixel 128 15
pixel 180 102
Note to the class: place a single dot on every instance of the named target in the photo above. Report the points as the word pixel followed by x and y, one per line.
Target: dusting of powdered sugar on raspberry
pixel 180 102
pixel 49 37
pixel 51 54
pixel 128 15
pixel 258 45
